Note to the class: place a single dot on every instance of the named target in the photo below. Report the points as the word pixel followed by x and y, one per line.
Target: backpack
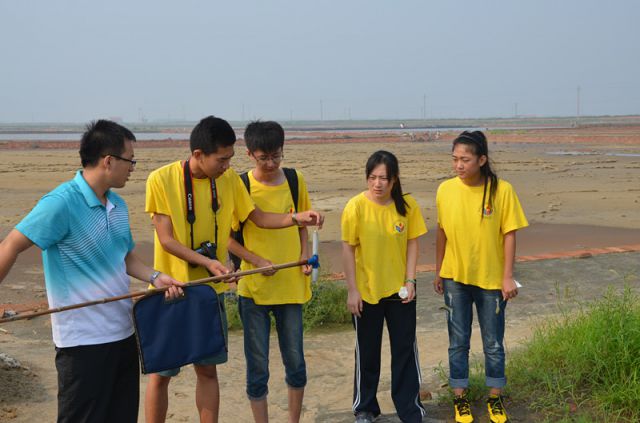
pixel 292 179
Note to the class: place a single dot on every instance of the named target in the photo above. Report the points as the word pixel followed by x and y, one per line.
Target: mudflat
pixel 579 188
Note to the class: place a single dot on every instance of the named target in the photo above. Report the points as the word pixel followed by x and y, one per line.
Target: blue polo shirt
pixel 84 244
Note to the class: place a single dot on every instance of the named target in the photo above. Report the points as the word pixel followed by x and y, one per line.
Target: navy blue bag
pixel 175 333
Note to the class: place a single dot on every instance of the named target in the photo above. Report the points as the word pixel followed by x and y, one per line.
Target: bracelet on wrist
pixel 413 281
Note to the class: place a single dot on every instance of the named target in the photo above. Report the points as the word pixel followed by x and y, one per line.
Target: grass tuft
pixel 476 391
pixel 584 364
pixel 327 307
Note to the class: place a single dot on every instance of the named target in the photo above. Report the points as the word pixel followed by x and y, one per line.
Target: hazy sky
pixel 72 61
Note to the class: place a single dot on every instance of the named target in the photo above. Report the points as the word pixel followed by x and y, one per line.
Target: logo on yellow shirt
pixel 487 211
pixel 399 227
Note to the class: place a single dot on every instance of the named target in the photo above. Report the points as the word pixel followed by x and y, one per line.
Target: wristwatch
pixel 294 218
pixel 154 276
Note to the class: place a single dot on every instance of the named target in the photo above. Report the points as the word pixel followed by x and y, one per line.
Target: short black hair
pixel 210 134
pixel 266 136
pixel 102 138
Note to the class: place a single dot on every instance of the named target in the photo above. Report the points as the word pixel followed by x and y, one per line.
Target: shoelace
pixel 464 409
pixel 496 405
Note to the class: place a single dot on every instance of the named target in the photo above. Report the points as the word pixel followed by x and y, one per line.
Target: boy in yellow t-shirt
pixel 193 202
pixel 282 294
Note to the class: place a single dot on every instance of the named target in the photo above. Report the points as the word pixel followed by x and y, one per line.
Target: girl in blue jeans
pixel 478 216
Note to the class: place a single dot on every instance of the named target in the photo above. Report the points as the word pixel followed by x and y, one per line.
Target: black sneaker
pixel 364 417
pixel 497 413
pixel 462 409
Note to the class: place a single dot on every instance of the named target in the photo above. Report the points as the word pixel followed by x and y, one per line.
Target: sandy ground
pixel 579 189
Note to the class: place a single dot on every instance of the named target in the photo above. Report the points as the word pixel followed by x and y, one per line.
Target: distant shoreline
pixel 615 135
pixel 514 122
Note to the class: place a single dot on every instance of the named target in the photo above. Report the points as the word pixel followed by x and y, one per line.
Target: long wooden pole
pixel 155 291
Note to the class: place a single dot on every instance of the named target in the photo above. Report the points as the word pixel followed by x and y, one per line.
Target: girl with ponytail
pixel 478 216
pixel 380 231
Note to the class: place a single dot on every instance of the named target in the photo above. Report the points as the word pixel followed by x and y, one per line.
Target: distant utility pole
pixel 515 111
pixel 290 115
pixel 424 106
pixel 243 112
pixel 321 111
pixel 578 103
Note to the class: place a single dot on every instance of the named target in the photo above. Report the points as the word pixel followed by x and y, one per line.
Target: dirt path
pixel 572 183
pixel 550 285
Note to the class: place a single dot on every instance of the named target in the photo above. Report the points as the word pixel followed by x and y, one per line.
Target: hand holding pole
pixel 313 261
pixel 314 252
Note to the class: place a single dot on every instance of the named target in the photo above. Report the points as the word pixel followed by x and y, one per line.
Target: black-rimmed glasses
pixel 265 159
pixel 131 162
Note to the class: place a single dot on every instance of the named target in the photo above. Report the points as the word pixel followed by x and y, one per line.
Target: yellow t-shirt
pixel 287 286
pixel 166 195
pixel 474 253
pixel 379 235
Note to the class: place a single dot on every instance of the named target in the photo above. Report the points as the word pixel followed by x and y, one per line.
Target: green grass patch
pixel 327 307
pixel 233 317
pixel 583 365
pixel 477 390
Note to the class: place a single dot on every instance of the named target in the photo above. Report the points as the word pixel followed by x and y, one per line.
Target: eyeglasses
pixel 132 163
pixel 264 159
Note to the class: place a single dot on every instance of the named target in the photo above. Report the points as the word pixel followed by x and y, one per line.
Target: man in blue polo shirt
pixel 82 228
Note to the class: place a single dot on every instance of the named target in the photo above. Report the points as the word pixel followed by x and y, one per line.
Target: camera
pixel 208 249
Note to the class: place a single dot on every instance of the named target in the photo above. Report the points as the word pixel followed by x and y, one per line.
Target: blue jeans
pixel 257 326
pixel 490 306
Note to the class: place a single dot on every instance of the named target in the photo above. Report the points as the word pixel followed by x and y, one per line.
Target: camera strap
pixel 190 199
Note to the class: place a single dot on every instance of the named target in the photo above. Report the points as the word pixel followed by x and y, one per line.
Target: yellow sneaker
pixel 497 413
pixel 463 409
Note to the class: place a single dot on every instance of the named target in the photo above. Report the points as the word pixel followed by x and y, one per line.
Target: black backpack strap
pixel 237 235
pixel 292 180
pixel 245 179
